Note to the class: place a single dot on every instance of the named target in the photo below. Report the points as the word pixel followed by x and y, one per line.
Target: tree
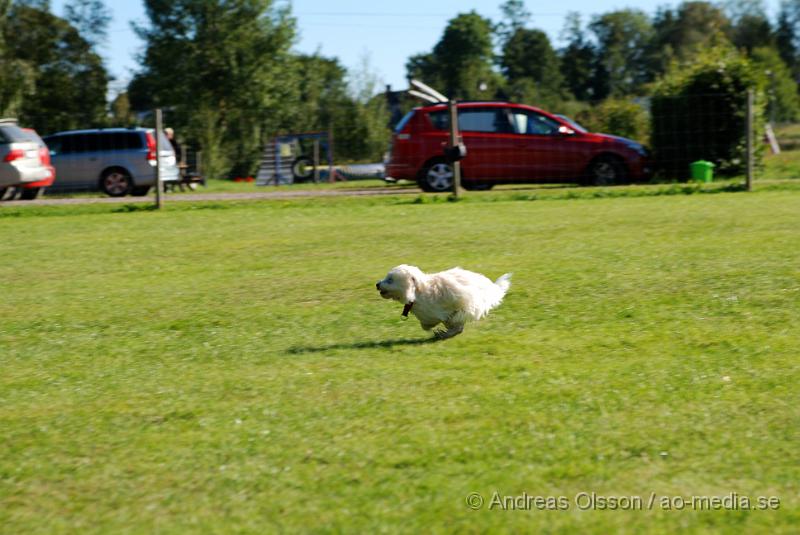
pixel 91 18
pixel 515 18
pixel 577 59
pixel 529 54
pixel 751 27
pixel 460 65
pixel 787 34
pixel 783 102
pixel 223 70
pixel 622 38
pixel 372 113
pixel 68 82
pixel 682 33
pixel 325 101
pixel 121 112
pixel 532 67
pixel 17 78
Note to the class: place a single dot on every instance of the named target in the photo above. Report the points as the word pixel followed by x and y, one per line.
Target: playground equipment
pixel 287 159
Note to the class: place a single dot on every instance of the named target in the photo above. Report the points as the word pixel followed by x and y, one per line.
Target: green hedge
pixel 699 112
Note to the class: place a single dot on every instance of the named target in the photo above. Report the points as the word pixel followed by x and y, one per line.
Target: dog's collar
pixel 407 308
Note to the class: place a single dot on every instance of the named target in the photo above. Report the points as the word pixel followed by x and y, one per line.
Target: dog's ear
pixel 411 288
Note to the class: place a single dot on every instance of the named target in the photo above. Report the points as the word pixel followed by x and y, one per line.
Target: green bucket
pixel 702 171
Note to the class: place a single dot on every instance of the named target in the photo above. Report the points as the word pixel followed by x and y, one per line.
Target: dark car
pixel 509 143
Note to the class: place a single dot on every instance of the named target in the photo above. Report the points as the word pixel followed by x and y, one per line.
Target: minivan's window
pixel 491 120
pixel 54 144
pixel 95 142
pixel 526 122
pixel 404 121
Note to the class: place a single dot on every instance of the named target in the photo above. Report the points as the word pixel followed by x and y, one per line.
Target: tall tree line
pixel 227 77
pixel 53 77
pixel 618 54
pixel 223 71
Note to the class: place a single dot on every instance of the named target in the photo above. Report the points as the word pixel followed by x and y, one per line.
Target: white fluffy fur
pixel 450 297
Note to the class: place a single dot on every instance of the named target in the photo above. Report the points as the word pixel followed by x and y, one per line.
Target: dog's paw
pixel 440 334
pixel 449 333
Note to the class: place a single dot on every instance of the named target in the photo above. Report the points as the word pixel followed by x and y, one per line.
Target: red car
pixel 509 143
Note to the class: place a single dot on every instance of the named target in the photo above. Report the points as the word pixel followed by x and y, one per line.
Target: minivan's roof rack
pixel 8 120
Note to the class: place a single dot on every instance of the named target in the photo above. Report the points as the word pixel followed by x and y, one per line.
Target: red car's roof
pixel 480 104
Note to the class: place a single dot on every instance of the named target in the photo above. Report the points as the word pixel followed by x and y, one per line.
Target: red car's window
pixel 440 120
pixel 403 122
pixel 526 122
pixel 488 120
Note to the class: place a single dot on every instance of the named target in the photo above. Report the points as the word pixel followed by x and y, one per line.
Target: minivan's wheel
pixel 116 183
pixel 303 168
pixel 30 194
pixel 140 191
pixel 607 171
pixel 438 176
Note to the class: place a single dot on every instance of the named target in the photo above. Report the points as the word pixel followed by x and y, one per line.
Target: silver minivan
pixel 117 161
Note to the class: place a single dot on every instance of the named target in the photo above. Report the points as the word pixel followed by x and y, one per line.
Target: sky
pixel 385 34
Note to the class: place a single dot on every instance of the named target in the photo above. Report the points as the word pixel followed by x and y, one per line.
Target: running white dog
pixel 451 297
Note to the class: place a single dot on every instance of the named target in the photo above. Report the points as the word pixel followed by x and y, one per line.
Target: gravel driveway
pixel 194 197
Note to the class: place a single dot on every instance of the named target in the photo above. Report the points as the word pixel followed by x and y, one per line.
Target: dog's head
pixel 401 284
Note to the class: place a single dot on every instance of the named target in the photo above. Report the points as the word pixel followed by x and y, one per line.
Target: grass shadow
pixel 364 345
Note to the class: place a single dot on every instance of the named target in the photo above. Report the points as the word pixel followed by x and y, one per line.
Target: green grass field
pixel 230 368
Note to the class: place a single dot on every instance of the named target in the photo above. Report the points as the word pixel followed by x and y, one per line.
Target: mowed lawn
pixel 231 368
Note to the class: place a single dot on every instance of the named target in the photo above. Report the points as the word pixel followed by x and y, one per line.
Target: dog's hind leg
pixel 455 326
pixel 429 326
pixel 450 332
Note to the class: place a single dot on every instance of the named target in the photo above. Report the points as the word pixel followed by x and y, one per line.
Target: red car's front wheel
pixel 606 171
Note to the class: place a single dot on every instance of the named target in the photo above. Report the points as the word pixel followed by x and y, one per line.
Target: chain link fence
pixel 697 138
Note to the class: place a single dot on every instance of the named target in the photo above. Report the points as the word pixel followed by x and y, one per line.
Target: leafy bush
pixel 699 112
pixel 624 118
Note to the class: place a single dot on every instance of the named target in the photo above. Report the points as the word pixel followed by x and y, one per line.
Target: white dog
pixel 450 297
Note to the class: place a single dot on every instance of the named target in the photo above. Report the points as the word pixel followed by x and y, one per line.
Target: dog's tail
pixel 504 283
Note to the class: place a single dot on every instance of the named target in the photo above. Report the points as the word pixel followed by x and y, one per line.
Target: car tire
pixel 140 191
pixel 302 169
pixel 116 182
pixel 30 194
pixel 437 176
pixel 606 171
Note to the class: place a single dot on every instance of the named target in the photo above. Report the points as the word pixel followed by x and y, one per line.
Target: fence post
pixel 316 160
pixel 198 165
pixel 331 168
pixel 454 140
pixel 159 201
pixel 750 136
